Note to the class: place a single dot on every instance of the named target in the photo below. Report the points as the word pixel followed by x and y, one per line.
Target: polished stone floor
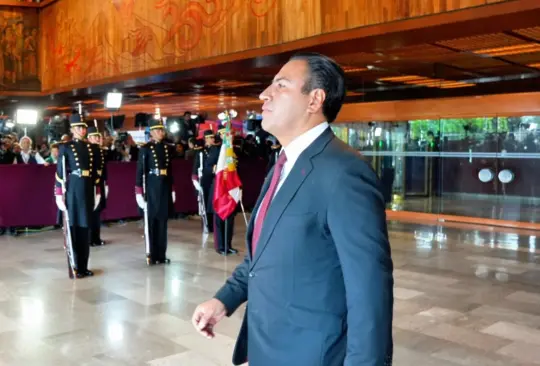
pixel 463 297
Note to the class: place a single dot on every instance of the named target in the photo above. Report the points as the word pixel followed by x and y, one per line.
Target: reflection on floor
pixel 484 206
pixel 462 298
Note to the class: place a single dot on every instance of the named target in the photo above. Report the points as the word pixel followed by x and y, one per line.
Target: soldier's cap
pixel 93 131
pixel 156 123
pixel 208 133
pixel 76 120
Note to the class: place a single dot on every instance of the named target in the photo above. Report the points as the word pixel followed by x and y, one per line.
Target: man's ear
pixel 317 97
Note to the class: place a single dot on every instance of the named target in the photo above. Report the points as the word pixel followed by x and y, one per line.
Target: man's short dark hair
pixel 325 74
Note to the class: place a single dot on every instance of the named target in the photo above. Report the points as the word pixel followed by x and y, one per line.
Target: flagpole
pixel 226 236
pixel 244 212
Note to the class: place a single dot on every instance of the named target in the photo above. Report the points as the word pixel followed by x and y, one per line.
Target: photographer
pixel 124 148
pixel 7 156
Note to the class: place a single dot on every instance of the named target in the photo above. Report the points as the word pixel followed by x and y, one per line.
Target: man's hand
pixel 207 315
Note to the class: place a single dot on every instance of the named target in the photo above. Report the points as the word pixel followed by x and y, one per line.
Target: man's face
pixel 78 131
pixel 25 144
pixel 157 134
pixel 284 102
pixel 209 140
pixel 95 139
pixel 54 152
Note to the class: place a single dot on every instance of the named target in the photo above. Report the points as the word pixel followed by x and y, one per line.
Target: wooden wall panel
pixel 340 15
pixel 516 104
pixel 19 46
pixel 84 42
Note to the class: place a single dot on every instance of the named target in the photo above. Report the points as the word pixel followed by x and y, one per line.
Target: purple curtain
pixel 27 191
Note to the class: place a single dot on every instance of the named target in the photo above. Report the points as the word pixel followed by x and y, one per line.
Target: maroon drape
pixel 27 194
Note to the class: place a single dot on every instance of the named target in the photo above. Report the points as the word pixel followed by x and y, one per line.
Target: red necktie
pixel 265 204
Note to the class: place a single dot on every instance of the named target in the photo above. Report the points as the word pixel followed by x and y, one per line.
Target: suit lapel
pixel 300 171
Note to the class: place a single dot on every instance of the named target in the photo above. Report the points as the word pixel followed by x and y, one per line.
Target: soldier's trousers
pixel 223 232
pixel 81 248
pixel 157 231
pixel 95 227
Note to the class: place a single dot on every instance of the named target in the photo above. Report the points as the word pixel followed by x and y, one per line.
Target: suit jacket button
pixel 251 274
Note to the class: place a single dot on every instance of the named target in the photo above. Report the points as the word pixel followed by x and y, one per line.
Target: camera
pixel 122 136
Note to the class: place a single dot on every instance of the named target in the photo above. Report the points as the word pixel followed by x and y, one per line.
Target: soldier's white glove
pixel 60 203
pixel 140 201
pixel 173 194
pixel 106 192
pixel 197 185
pixel 97 200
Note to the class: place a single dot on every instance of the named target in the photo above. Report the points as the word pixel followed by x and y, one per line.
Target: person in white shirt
pixel 27 155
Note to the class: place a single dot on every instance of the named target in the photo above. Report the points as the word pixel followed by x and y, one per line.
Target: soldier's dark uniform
pixel 209 156
pixel 81 177
pixel 155 162
pixel 223 229
pixel 100 160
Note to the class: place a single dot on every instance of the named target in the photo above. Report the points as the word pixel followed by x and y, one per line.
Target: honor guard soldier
pixel 203 172
pixel 223 229
pixel 154 173
pixel 76 177
pixel 95 138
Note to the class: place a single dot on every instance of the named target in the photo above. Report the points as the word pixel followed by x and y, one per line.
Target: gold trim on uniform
pixel 58 179
pixel 79 124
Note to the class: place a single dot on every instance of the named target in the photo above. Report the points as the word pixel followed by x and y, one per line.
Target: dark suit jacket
pixel 320 287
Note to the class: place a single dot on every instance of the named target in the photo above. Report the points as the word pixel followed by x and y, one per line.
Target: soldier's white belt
pixel 81 173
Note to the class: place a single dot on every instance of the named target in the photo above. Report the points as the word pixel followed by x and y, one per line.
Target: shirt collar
pixel 302 142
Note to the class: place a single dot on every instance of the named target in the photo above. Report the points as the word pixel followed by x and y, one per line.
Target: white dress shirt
pixel 296 147
pixel 293 151
pixel 26 157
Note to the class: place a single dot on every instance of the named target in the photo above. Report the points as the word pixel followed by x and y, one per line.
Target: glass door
pixel 518 174
pixel 469 167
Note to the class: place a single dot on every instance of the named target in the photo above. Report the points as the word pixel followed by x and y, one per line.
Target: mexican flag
pixel 227 184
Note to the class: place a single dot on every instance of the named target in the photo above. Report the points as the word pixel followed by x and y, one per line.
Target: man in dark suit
pixel 318 271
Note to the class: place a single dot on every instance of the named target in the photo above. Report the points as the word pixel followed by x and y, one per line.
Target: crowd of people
pixel 122 148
